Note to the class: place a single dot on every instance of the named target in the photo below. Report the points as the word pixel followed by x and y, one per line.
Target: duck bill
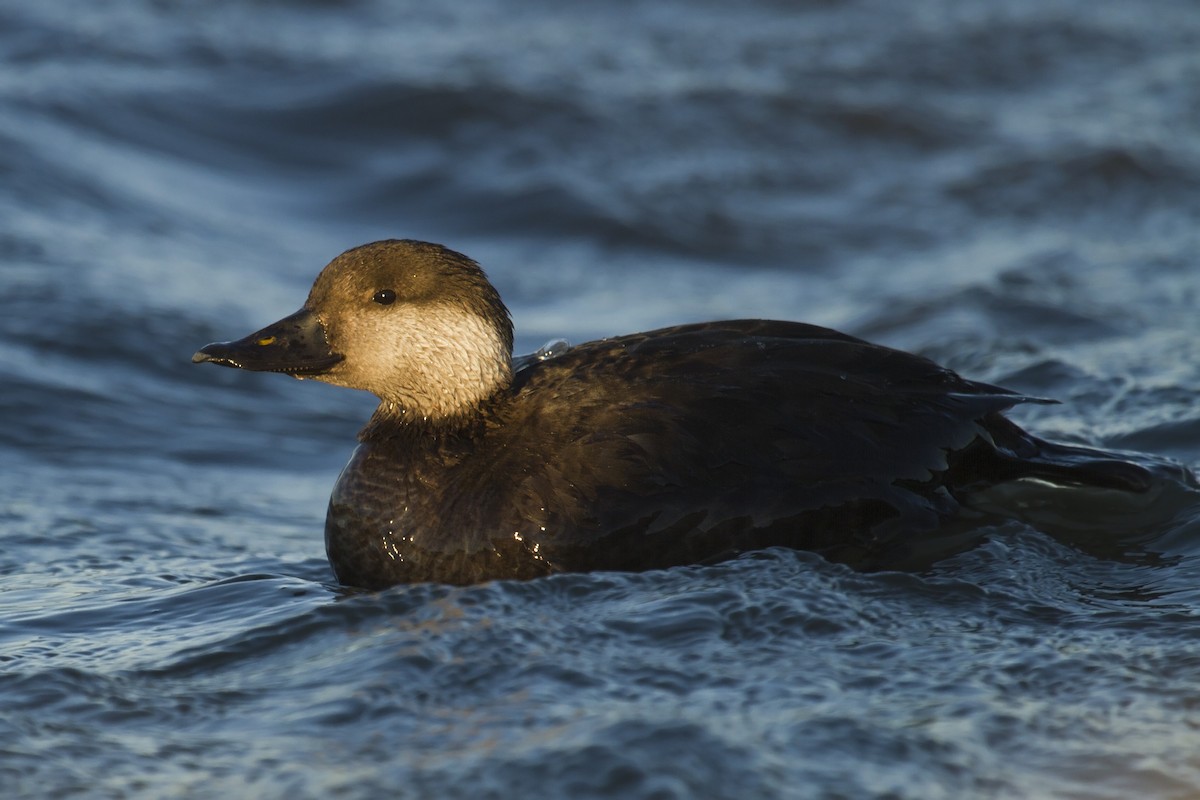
pixel 295 345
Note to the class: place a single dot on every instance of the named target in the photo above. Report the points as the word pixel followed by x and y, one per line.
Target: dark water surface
pixel 1012 188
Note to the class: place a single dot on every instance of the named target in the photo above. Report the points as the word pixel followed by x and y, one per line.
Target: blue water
pixel 1011 188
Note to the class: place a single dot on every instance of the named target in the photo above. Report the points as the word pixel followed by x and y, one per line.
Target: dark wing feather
pixel 652 447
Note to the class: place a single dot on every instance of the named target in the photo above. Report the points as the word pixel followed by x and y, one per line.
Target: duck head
pixel 416 324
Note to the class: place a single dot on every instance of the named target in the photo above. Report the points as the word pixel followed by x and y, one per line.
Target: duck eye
pixel 385 297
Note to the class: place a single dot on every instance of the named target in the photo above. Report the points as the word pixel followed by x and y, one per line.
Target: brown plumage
pixel 683 445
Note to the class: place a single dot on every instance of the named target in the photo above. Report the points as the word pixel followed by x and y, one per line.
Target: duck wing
pixel 701 440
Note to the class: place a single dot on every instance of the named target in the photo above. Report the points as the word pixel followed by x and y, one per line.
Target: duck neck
pixel 394 420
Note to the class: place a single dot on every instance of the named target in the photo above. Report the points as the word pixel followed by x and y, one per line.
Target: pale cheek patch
pixel 432 361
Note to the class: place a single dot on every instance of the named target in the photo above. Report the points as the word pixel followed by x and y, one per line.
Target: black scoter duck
pixel 683 445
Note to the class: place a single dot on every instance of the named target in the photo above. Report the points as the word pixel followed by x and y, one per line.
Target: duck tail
pixel 1015 454
pixel 1072 465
